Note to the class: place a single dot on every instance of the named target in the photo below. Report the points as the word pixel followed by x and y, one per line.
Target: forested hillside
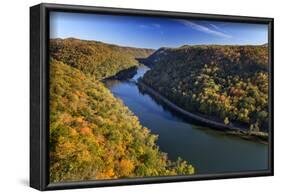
pixel 92 134
pixel 227 83
pixel 96 58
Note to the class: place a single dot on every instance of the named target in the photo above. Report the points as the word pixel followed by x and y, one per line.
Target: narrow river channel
pixel 209 151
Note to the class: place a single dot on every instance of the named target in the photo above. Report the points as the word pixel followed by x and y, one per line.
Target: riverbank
pixel 230 130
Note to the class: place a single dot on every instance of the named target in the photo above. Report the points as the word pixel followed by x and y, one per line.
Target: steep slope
pixel 95 58
pixel 224 83
pixel 94 136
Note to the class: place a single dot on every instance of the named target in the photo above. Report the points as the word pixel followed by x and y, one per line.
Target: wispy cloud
pixel 213 30
pixel 156 25
pixel 215 26
pixel 150 26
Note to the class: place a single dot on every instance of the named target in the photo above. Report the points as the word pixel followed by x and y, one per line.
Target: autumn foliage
pixel 224 83
pixel 96 58
pixel 92 134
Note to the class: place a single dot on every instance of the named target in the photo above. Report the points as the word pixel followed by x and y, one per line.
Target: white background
pixel 14 96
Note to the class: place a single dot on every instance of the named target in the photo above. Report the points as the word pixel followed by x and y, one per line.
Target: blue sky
pixel 148 32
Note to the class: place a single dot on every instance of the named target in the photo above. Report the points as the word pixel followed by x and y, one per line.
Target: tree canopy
pixel 93 135
pixel 95 58
pixel 225 83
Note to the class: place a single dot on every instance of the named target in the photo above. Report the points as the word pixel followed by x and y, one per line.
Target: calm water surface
pixel 209 151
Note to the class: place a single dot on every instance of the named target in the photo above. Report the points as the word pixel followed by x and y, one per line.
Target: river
pixel 208 150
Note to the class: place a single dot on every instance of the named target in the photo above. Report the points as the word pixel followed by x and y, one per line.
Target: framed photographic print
pixel 124 96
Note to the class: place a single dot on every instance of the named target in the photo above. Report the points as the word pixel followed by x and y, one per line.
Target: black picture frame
pixel 39 108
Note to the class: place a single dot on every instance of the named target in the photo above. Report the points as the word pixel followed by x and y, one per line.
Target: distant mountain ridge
pixel 203 54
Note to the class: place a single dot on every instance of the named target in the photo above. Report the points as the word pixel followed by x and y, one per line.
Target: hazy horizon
pixel 161 46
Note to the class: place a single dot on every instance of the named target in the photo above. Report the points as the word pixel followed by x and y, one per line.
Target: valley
pixel 104 125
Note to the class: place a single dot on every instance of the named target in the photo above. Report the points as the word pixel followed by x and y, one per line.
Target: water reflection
pixel 208 150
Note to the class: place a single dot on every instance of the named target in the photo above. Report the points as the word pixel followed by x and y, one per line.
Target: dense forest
pixel 96 58
pixel 93 135
pixel 224 83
